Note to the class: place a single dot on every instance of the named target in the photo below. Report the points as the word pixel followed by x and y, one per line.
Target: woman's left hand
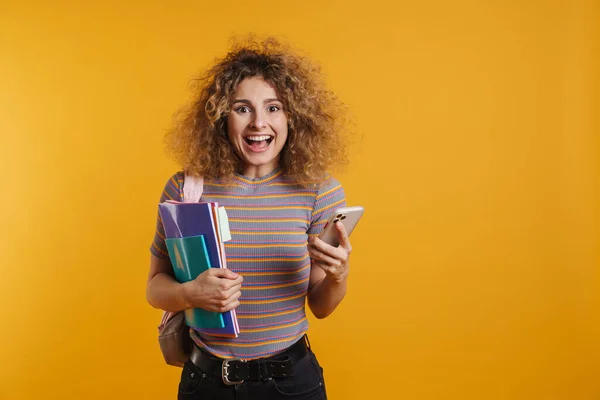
pixel 333 260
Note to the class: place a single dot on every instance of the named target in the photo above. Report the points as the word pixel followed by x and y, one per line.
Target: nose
pixel 259 121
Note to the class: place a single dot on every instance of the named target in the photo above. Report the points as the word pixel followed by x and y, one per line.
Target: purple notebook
pixel 191 219
pixel 194 219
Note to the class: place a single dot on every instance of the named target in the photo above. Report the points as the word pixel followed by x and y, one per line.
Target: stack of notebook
pixel 195 233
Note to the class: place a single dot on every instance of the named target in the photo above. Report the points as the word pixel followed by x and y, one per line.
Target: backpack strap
pixel 193 187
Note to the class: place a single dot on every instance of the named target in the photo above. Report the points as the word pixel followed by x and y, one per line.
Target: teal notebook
pixel 189 258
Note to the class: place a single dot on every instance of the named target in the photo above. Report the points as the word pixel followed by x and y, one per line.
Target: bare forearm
pixel 166 293
pixel 325 296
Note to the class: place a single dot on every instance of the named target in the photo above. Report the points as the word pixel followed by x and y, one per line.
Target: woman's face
pixel 257 126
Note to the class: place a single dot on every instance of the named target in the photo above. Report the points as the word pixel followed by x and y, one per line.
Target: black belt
pixel 234 371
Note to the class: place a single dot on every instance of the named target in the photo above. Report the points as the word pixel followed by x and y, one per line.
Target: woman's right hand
pixel 216 289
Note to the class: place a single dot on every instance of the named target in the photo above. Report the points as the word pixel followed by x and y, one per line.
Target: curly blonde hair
pixel 317 120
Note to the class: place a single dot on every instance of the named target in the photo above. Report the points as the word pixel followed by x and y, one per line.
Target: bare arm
pixel 162 290
pixel 328 274
pixel 325 294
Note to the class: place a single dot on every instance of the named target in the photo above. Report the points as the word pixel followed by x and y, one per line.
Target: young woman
pixel 263 131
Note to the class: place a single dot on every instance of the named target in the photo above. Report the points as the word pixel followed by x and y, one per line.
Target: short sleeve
pixel 172 191
pixel 330 196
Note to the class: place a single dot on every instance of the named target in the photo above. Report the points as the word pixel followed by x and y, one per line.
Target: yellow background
pixel 476 267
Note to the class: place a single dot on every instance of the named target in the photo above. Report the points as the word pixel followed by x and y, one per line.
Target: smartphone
pixel 348 216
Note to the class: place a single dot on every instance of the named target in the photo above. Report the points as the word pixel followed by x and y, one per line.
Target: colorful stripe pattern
pixel 270 219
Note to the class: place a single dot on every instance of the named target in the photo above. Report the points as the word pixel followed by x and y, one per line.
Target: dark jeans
pixel 306 383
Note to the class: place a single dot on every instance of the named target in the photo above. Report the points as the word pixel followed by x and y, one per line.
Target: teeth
pixel 258 138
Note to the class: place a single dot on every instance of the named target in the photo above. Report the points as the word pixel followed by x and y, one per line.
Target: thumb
pixel 342 234
pixel 224 273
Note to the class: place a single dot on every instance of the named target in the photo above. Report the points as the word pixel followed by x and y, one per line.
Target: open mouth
pixel 258 142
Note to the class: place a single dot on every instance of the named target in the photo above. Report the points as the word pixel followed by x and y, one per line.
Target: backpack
pixel 173 333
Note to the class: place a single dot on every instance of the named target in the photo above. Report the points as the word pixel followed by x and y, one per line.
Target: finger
pixel 225 290
pixel 223 273
pixel 342 235
pixel 325 267
pixel 337 274
pixel 222 307
pixel 235 296
pixel 230 306
pixel 338 253
pixel 226 284
pixel 232 290
pixel 318 255
pixel 323 247
pixel 230 303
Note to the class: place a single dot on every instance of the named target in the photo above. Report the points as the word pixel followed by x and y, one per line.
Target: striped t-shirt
pixel 270 219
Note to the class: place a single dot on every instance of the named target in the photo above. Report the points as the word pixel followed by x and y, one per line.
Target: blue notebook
pixel 189 258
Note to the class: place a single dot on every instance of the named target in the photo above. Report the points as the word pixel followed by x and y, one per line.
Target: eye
pixel 273 108
pixel 242 109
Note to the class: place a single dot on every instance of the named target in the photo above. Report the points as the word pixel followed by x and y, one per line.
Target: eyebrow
pixel 249 103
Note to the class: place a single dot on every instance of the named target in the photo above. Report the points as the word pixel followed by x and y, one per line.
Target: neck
pixel 257 171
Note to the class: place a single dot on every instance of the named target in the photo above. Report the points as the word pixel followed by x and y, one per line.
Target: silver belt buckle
pixel 225 371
